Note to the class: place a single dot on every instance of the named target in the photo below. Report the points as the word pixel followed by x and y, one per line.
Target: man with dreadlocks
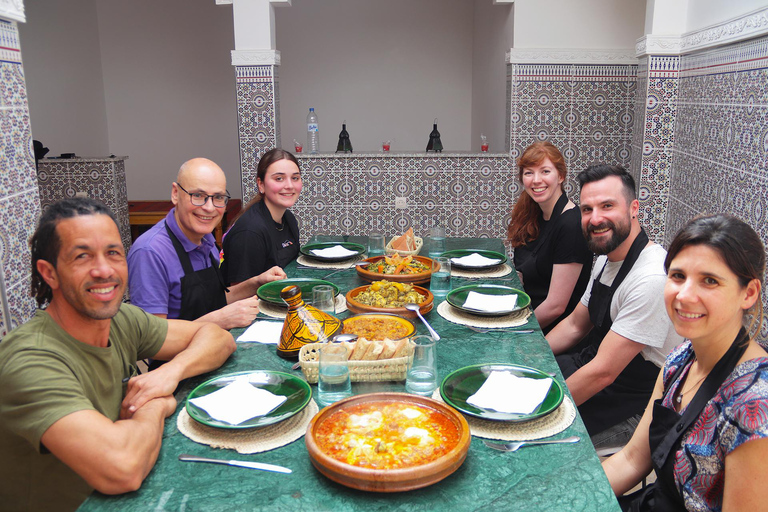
pixel 74 416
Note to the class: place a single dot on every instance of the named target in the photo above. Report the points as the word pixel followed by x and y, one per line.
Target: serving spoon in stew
pixel 415 308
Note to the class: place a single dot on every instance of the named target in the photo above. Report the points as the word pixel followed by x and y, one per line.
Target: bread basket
pixel 390 251
pixel 380 370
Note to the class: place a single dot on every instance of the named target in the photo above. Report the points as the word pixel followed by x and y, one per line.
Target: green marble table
pixel 542 478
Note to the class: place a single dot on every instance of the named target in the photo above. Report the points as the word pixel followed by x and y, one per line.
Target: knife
pixel 240 463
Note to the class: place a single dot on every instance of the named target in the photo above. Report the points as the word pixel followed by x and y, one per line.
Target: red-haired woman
pixel 545 231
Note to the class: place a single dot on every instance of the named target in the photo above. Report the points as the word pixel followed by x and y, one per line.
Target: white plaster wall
pixel 608 24
pixel 169 89
pixel 62 68
pixel 493 37
pixel 388 68
pixel 703 13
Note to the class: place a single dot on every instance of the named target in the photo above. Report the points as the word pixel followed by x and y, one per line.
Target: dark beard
pixel 619 234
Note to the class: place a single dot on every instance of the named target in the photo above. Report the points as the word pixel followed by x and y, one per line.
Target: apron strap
pixel 186 263
pixel 709 387
pixel 629 261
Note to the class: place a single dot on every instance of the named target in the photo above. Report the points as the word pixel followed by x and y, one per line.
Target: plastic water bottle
pixel 313 132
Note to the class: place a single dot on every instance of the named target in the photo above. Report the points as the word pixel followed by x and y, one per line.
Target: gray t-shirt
pixel 637 308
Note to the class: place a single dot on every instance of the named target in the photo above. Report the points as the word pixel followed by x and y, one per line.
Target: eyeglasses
pixel 199 199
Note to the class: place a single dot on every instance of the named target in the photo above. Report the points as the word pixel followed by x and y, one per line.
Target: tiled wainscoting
pixel 19 201
pixel 97 178
pixel 469 194
pixel 721 136
pixel 586 110
pixel 258 119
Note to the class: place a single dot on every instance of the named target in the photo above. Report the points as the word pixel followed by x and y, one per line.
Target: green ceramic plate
pixel 296 391
pixel 464 382
pixel 307 250
pixel 270 292
pixel 457 297
pixel 460 253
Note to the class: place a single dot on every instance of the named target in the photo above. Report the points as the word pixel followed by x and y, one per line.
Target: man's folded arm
pixel 614 354
pixel 191 348
pixel 113 457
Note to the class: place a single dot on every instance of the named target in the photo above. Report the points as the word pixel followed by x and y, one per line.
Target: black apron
pixel 536 284
pixel 629 393
pixel 202 291
pixel 668 427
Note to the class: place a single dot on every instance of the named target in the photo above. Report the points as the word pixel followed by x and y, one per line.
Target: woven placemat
pixel 456 316
pixel 311 262
pixel 498 271
pixel 546 426
pixel 251 440
pixel 276 311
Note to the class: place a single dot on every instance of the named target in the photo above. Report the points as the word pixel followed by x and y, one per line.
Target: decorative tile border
pixel 257 118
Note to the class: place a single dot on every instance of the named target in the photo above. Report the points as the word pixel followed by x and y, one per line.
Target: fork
pixel 516 445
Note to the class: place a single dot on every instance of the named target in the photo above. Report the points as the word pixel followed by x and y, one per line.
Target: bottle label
pixel 312 127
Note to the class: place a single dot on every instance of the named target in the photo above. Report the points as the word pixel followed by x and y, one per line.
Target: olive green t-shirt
pixel 46 374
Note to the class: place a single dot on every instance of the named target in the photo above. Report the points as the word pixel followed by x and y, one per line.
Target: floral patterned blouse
pixel 736 414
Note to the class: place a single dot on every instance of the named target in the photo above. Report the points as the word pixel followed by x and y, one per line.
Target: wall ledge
pixel 12 10
pixel 748 26
pixel 255 57
pixel 570 56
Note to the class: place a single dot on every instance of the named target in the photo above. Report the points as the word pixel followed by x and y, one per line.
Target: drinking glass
pixel 437 241
pixel 421 378
pixel 376 244
pixel 333 382
pixel 323 298
pixel 440 283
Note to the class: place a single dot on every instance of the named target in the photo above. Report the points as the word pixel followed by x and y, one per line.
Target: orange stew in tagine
pixel 387 435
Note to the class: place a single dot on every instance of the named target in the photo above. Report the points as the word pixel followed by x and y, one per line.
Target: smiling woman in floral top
pixel 704 431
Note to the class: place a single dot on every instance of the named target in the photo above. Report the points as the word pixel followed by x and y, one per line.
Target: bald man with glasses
pixel 173 269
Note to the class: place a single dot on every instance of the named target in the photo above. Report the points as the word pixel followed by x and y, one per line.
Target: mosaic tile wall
pixel 19 200
pixel 102 179
pixel 653 137
pixel 721 139
pixel 587 111
pixel 258 119
pixel 470 195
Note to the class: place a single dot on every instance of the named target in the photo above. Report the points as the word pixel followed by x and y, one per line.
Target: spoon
pixel 415 308
pixel 516 445
pixel 336 339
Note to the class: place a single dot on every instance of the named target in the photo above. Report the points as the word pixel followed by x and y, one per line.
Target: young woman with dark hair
pixel 266 233
pixel 551 254
pixel 705 428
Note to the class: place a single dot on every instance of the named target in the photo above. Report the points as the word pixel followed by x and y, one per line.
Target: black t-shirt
pixel 256 243
pixel 561 242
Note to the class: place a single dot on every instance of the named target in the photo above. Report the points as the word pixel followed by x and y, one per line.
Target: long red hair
pixel 523 225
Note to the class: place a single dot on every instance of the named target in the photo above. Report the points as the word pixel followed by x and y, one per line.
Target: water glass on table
pixel 323 298
pixel 421 378
pixel 333 383
pixel 440 283
pixel 436 241
pixel 376 244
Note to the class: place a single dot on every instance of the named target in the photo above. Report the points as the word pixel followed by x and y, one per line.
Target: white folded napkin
pixel 337 251
pixel 238 401
pixel 262 331
pixel 509 393
pixel 490 303
pixel 475 260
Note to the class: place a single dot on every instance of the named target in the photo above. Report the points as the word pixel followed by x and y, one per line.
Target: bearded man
pixel 610 348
